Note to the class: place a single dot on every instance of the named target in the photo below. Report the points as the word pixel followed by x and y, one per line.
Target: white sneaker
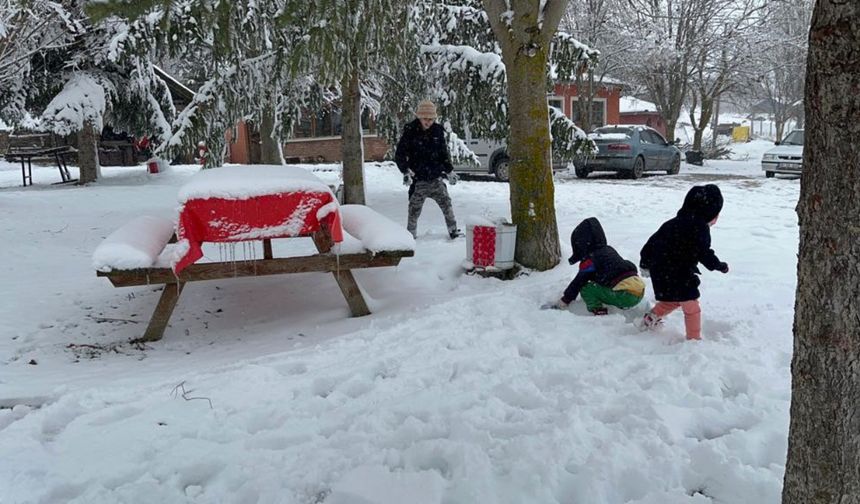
pixel 649 322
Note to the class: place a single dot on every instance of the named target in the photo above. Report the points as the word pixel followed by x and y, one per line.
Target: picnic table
pixel 26 155
pixel 250 204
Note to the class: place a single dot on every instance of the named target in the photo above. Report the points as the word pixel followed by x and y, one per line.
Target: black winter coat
pixel 672 253
pixel 599 262
pixel 425 152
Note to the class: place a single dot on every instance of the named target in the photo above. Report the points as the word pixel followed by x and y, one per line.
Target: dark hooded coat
pixel 674 251
pixel 425 152
pixel 598 262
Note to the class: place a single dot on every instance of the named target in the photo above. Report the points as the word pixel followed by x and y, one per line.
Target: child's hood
pixel 587 237
pixel 704 202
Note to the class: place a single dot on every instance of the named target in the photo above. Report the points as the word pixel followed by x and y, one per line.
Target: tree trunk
pixel 582 104
pixel 88 153
pixel 704 118
pixel 352 148
pixel 823 465
pixel 531 185
pixel 670 129
pixel 270 148
pixel 716 109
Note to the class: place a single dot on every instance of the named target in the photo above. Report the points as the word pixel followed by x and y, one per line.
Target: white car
pixel 786 157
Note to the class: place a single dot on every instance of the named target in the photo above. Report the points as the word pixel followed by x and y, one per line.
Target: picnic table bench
pixel 147 251
pixel 26 155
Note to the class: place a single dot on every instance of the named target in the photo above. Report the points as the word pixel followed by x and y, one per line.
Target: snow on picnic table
pixel 456 389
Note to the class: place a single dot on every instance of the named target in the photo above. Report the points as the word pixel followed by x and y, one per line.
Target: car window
pixel 794 138
pixel 657 137
pixel 647 137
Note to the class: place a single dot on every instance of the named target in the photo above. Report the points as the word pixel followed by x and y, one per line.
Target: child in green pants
pixel 604 277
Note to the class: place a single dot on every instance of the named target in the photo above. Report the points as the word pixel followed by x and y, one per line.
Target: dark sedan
pixel 631 150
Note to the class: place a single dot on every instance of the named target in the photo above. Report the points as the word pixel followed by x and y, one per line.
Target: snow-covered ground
pixel 457 389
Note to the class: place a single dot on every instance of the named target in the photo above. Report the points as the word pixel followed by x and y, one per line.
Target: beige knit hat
pixel 426 110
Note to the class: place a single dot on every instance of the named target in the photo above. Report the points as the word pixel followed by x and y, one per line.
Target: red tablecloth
pixel 281 215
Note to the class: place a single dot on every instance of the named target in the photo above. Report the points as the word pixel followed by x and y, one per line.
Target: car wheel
pixel 502 169
pixel 768 174
pixel 580 172
pixel 638 168
pixel 675 167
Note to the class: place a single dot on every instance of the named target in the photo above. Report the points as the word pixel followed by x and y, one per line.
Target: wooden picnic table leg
pixel 344 278
pixel 163 310
pixel 63 176
pixel 24 173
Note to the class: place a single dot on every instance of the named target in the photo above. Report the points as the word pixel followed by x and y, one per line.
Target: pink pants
pixel 692 315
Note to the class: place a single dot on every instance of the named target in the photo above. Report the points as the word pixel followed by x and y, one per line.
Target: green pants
pixel 595 296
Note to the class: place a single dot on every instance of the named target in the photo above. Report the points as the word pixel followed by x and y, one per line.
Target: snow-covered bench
pixel 142 253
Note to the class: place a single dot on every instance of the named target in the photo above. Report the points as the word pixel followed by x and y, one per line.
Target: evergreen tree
pixel 94 73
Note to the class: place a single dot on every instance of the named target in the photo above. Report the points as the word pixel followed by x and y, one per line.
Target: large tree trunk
pixel 531 185
pixel 823 464
pixel 88 153
pixel 525 48
pixel 270 148
pixel 352 148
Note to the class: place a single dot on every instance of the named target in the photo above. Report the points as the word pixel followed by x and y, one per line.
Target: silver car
pixel 786 157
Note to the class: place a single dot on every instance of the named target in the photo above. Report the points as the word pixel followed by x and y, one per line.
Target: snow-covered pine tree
pixel 250 69
pixel 352 45
pixel 97 75
pixel 493 62
pixel 30 33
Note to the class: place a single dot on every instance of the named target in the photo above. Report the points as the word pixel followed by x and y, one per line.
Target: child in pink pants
pixel 672 254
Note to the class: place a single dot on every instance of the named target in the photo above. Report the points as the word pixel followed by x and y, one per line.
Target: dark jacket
pixel 425 152
pixel 598 262
pixel 674 251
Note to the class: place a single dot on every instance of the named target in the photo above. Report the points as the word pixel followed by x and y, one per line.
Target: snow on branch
pixel 486 65
pixel 460 152
pixel 83 99
pixel 568 139
pixel 570 56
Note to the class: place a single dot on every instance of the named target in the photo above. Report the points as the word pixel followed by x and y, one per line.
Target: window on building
pixel 556 102
pixel 598 112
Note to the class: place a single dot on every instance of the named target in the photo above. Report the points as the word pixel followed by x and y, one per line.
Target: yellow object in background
pixel 741 134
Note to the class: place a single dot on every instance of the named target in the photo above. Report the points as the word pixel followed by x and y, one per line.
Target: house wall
pixel 312 150
pixel 238 149
pixel 328 149
pixel 651 119
pixel 612 95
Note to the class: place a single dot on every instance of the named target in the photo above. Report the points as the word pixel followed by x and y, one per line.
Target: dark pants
pixel 438 192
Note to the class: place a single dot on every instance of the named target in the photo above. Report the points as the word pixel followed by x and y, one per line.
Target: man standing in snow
pixel 423 158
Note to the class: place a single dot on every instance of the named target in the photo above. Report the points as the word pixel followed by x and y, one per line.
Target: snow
pixel 456 389
pixel 376 232
pixel 631 104
pixel 83 99
pixel 136 244
pixel 609 136
pixel 247 181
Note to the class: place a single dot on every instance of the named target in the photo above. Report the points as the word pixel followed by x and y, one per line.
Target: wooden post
pixel 344 278
pixel 267 249
pixel 161 315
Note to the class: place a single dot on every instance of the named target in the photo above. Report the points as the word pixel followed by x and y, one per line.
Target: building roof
pixel 630 104
pixel 182 94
